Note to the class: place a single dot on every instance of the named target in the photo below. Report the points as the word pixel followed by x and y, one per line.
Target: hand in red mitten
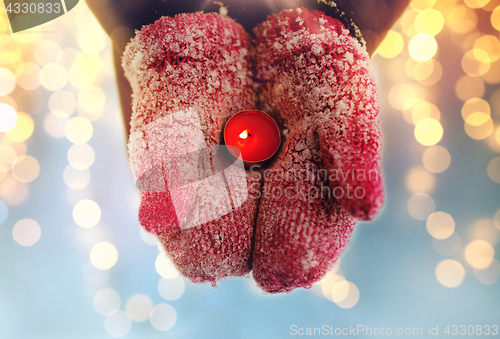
pixel 189 74
pixel 316 80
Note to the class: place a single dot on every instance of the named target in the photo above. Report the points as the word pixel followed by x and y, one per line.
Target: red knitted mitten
pixel 316 80
pixel 189 74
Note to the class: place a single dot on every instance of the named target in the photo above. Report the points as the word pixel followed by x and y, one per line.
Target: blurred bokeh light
pixel 76 264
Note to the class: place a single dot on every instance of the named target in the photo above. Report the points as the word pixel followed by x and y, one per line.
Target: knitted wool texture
pixel 315 80
pixel 198 61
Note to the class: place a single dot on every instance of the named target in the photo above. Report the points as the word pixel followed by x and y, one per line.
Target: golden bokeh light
pixel 47 52
pixel 476 3
pixel 165 267
pixel 422 47
pixel 92 40
pixel 450 273
pixel 479 254
pixel 465 42
pixel 8 157
pixel 472 66
pixel 92 101
pixel 475 105
pixel 407 22
pixel 28 75
pixel 419 70
pixel 494 169
pixel 429 21
pixel 462 19
pixel 485 230
pixel 8 117
pixel 103 255
pixel 419 180
pixel 401 96
pixel 489 275
pixel 67 57
pixel 81 157
pixel 84 70
pixel 408 110
pixel 328 282
pixel 440 225
pixel 479 132
pixel 428 131
pixel 424 110
pixel 7 81
pixel 78 130
pixel 493 74
pixel 26 232
pixel 28 36
pixel 53 77
pixel 449 246
pixel 139 307
pixel 18 147
pixel 9 101
pixel 10 52
pixel 394 74
pixel 23 129
pixel 496 218
pixel 3 175
pixel 436 159
pixel 54 125
pixel 468 87
pixel 62 104
pixel 420 5
pixel 26 169
pixel 391 46
pixel 420 206
pixel 495 18
pixel 437 73
pixel 86 213
pixel 13 192
pixel 477 119
pixel 4 25
pixel 487 49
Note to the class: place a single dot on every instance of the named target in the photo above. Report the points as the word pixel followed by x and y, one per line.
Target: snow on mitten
pixel 189 74
pixel 316 81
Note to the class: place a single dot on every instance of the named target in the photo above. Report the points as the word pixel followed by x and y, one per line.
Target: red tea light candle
pixel 254 133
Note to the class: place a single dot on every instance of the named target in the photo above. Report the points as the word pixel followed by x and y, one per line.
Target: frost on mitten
pixel 189 74
pixel 317 82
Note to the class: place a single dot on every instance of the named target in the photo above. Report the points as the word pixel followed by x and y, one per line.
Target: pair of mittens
pixel 315 80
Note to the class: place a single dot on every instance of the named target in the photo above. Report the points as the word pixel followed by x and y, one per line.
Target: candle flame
pixel 244 134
